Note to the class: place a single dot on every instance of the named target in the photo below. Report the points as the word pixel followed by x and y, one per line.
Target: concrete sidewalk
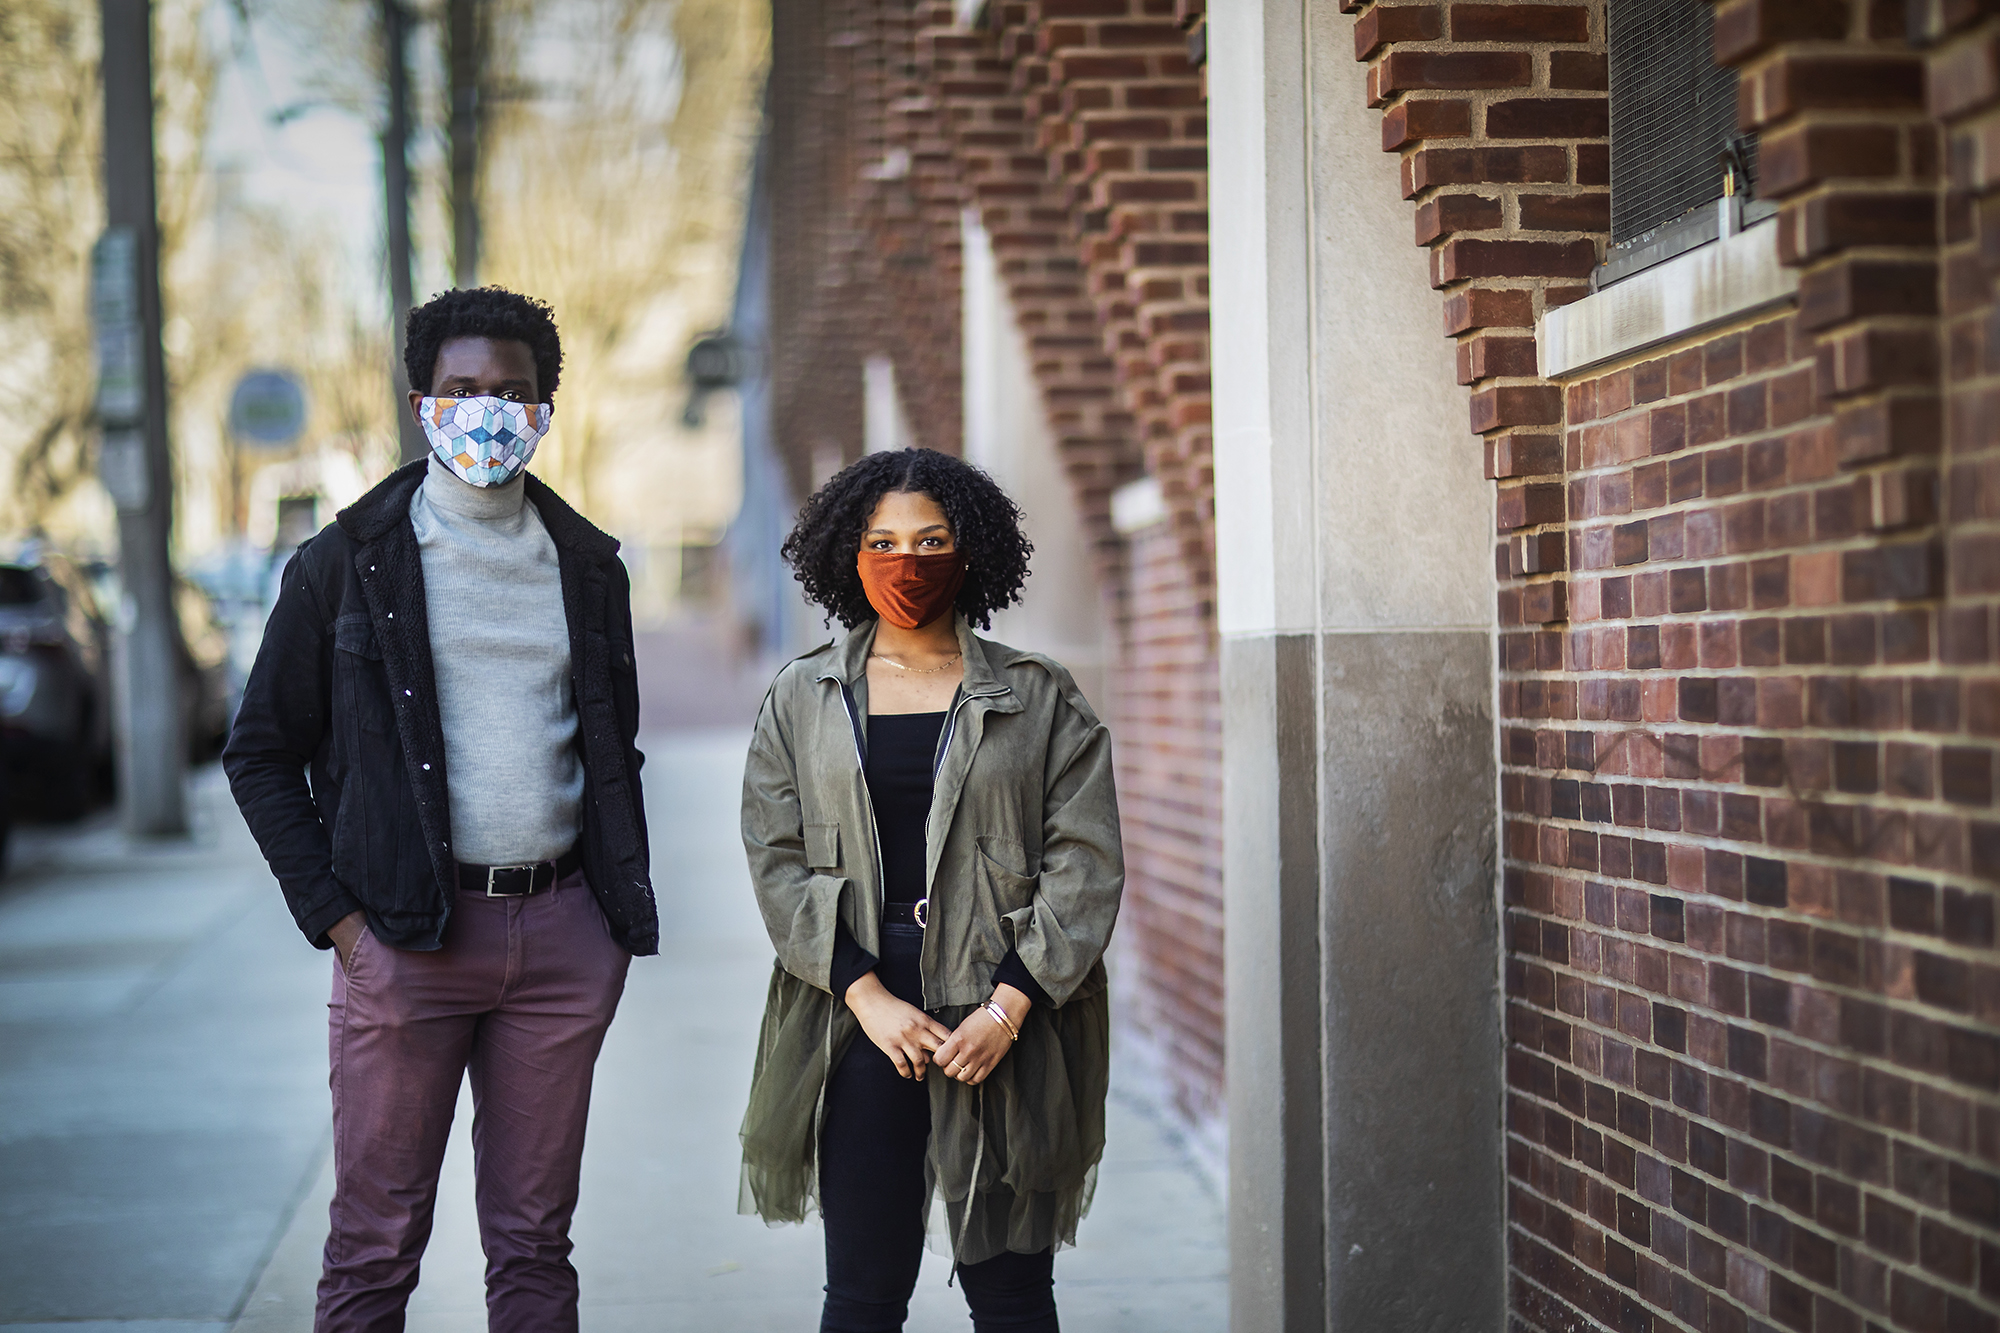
pixel 163 1095
pixel 162 1049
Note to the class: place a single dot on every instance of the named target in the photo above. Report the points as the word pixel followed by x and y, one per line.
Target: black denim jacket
pixel 337 754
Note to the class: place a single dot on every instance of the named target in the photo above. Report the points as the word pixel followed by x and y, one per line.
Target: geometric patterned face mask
pixel 485 440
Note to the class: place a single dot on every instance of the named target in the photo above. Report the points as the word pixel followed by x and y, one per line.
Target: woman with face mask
pixel 933 838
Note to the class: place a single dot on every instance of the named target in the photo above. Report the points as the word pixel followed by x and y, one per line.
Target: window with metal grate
pixel 1673 132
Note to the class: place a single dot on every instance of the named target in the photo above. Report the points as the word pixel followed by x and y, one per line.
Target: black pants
pixel 871 1180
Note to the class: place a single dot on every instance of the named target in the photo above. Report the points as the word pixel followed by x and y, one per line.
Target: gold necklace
pixel 920 671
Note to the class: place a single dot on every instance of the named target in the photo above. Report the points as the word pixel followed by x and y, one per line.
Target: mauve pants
pixel 519 997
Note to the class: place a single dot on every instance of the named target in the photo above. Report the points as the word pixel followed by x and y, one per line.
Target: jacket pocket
pixel 1006 893
pixel 805 943
pixel 361 684
pixel 822 846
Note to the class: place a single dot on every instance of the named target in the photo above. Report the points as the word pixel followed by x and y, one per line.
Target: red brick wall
pixel 1117 112
pixel 859 265
pixel 1748 695
pixel 1166 713
pixel 1076 129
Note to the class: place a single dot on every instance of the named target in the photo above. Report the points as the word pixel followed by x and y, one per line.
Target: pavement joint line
pixel 307 1179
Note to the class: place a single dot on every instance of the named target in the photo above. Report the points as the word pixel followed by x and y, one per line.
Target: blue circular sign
pixel 268 408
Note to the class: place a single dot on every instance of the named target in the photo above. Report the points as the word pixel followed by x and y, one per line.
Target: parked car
pixel 55 696
pixel 209 687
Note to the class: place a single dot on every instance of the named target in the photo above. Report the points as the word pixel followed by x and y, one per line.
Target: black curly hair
pixel 482 312
pixel 985 526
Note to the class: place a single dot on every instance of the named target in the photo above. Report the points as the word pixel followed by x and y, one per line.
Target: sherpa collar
pixel 375 513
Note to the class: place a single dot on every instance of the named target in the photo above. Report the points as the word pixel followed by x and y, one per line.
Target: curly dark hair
pixel 482 312
pixel 985 525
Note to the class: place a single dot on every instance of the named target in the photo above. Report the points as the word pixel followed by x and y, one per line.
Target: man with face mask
pixel 435 752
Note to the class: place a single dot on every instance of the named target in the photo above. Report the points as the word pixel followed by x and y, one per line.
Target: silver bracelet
pixel 1000 1017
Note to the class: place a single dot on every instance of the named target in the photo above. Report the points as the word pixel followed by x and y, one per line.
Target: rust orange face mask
pixel 910 591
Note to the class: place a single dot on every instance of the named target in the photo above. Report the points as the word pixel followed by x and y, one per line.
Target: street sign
pixel 114 317
pixel 114 277
pixel 121 468
pixel 268 409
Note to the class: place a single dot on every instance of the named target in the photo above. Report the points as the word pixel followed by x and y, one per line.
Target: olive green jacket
pixel 1024 847
pixel 1023 853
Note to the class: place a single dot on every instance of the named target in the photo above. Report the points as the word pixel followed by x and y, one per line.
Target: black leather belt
pixel 517 881
pixel 907 914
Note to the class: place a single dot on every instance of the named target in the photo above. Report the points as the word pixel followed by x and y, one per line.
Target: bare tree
pixel 613 188
pixel 619 134
pixel 51 207
pixel 51 211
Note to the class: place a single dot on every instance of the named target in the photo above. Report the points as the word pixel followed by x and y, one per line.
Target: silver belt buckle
pixel 491 871
pixel 922 912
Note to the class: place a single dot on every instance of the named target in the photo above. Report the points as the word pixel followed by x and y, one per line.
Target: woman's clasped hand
pixel 903 1032
pixel 981 1042
pixel 914 1041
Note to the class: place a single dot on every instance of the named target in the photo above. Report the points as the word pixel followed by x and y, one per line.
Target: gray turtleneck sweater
pixel 500 652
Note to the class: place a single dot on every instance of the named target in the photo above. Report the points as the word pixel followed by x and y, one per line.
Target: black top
pixel 902 749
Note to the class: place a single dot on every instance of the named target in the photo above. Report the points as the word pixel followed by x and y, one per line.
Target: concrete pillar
pixel 1355 600
pixel 1263 492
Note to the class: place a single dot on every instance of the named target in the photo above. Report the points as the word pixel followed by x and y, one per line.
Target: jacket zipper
pixel 867 800
pixel 937 766
pixel 868 804
pixel 951 728
pixel 979 1115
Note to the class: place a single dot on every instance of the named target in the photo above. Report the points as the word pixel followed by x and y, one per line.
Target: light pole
pixel 134 458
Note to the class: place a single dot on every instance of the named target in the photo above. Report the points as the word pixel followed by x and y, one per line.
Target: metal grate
pixel 1673 112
